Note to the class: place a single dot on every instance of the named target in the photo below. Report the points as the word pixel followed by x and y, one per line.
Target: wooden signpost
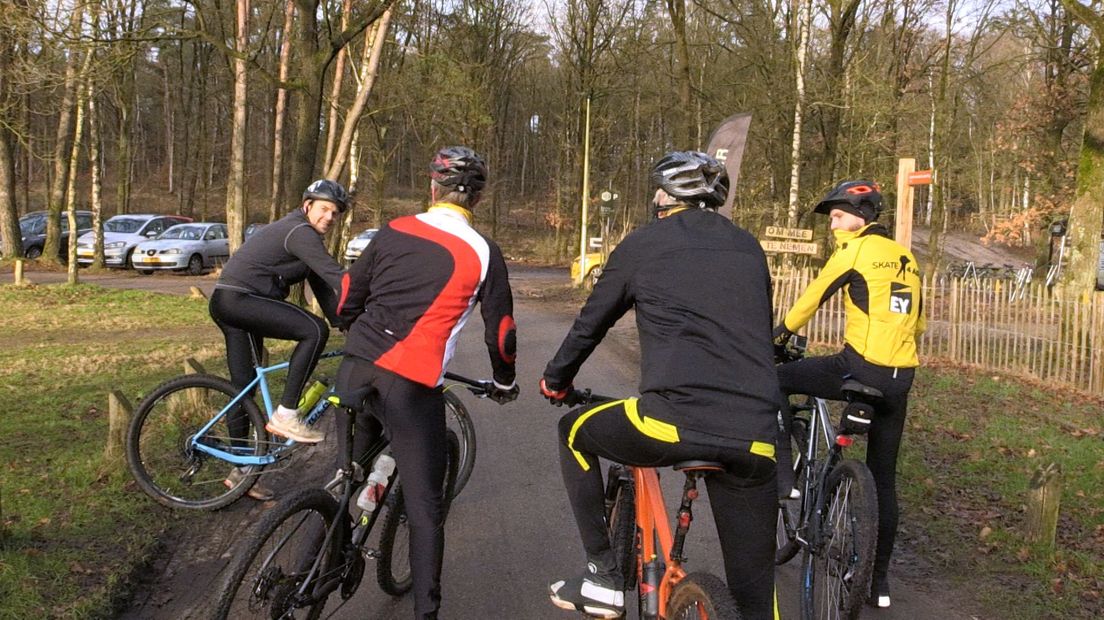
pixel 908 177
pixel 796 240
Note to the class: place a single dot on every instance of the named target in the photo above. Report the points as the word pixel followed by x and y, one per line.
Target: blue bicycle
pixel 181 452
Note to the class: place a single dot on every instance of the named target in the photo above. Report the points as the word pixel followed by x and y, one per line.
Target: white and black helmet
pixel 692 177
pixel 325 189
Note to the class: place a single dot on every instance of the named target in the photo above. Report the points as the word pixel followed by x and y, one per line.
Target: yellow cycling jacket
pixel 882 283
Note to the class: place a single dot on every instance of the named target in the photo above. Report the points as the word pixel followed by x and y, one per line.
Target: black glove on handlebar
pixel 781 334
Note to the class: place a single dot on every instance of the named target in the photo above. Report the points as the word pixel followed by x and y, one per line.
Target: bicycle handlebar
pixel 480 387
pixel 585 397
pixel 792 350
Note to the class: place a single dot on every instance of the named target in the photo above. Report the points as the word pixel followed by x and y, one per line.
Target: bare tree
pixel 235 182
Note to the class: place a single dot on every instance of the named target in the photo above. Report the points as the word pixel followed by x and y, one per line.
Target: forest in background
pixel 227 109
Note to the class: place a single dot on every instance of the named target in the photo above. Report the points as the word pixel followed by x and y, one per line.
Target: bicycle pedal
pixel 372 554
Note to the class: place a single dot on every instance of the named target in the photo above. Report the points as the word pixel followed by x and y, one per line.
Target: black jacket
pixel 410 293
pixel 281 254
pixel 701 289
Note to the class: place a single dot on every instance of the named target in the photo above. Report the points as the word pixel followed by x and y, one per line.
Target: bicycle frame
pixel 657 543
pixel 231 455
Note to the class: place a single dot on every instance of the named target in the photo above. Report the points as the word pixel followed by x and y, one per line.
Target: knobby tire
pixel 702 596
pixel 844 561
pixel 621 523
pixel 267 571
pixel 158 452
pixel 460 422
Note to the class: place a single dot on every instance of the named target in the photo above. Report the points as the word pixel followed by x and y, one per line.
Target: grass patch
pixel 972 442
pixel 73 526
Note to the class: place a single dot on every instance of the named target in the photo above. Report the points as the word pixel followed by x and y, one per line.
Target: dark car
pixel 32 227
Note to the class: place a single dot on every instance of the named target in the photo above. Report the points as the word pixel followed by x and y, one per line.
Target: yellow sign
pixel 804 234
pixel 791 247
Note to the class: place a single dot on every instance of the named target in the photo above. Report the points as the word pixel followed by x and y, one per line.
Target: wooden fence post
pixel 118 420
pixel 1043 499
pixel 19 272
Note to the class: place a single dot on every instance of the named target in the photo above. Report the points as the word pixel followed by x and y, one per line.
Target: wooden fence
pixel 987 323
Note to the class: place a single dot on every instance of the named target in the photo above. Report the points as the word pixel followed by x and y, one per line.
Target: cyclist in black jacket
pixel 407 297
pixel 701 291
pixel 248 306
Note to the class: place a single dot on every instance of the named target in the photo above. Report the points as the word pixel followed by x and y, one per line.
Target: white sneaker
pixel 289 425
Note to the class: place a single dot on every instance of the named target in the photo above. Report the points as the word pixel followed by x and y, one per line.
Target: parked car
pixel 122 233
pixel 356 245
pixel 32 227
pixel 594 263
pixel 191 247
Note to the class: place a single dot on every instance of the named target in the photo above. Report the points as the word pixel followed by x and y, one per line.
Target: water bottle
pixel 311 395
pixel 377 483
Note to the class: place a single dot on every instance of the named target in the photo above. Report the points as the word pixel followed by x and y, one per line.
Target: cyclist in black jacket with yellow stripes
pixel 701 290
pixel 881 282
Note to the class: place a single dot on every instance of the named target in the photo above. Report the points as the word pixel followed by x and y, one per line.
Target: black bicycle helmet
pixel 460 169
pixel 861 198
pixel 692 177
pixel 325 189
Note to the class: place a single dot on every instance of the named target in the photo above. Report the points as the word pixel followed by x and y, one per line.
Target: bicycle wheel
pixel 702 596
pixel 393 572
pixel 459 421
pixel 789 510
pixel 268 572
pixel 621 522
pixel 161 457
pixel 844 560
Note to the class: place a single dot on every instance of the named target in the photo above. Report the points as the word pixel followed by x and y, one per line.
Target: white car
pixel 191 247
pixel 357 244
pixel 122 233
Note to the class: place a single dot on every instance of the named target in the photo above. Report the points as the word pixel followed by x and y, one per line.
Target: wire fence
pixel 999 324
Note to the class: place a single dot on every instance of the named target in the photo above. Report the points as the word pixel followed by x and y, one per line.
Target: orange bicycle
pixel 648 554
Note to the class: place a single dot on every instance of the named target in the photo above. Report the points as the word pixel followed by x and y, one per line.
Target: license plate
pixel 84 252
pixel 150 261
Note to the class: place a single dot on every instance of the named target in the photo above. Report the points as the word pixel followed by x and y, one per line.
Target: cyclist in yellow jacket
pixel 882 298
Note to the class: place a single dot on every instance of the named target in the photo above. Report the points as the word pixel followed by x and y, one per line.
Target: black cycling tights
pixel 246 319
pixel 823 377
pixel 413 418
pixel 743 499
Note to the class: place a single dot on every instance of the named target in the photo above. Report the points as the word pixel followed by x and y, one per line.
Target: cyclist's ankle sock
pixel 287 414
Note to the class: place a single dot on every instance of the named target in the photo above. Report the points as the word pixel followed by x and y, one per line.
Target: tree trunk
pixel 842 22
pixel 63 138
pixel 681 131
pixel 9 213
pixel 170 143
pixel 84 86
pixel 276 199
pixel 368 73
pixel 804 12
pixel 94 144
pixel 1087 212
pixel 335 93
pixel 235 182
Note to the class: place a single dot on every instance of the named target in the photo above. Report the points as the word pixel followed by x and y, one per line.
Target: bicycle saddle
pixel 351 399
pixel 689 466
pixel 854 388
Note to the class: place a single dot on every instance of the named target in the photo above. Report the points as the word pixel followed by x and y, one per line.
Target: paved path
pixel 510 532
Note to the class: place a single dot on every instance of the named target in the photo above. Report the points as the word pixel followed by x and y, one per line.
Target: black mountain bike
pixel 835 521
pixel 310 545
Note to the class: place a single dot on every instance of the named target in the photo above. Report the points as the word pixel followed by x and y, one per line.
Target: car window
pixel 156 225
pixel 182 231
pixel 220 230
pixel 32 225
pixel 123 224
pixel 84 221
pixel 212 234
